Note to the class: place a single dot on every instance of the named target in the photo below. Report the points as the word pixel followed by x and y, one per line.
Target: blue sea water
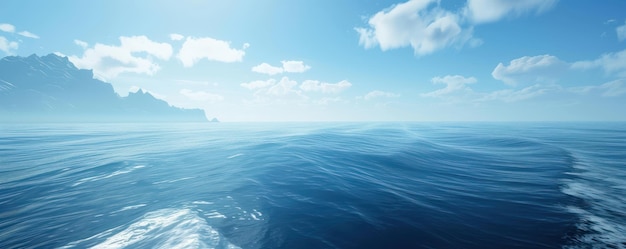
pixel 320 185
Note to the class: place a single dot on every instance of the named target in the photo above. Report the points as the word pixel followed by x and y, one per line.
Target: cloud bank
pixel 135 54
pixel 196 49
pixel 426 27
pixel 287 67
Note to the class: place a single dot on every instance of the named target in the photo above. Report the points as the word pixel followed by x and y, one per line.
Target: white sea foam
pixel 215 214
pixel 130 208
pixel 202 203
pixel 105 176
pixel 600 229
pixel 173 181
pixel 166 228
pixel 235 155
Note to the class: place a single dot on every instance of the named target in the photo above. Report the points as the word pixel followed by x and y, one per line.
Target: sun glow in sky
pixel 349 60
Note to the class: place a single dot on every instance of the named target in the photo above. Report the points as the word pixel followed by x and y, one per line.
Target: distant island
pixel 51 89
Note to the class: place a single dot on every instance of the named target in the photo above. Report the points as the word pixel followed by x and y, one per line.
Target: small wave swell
pixel 165 228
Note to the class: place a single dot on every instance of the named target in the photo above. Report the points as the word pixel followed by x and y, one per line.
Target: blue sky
pixel 349 60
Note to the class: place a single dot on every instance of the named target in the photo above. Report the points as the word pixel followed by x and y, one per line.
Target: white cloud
pixel 272 90
pixel 610 89
pixel 611 63
pixel 530 69
pixel 614 88
pixel 512 95
pixel 7 46
pixel 621 32
pixel 426 27
pixel 246 45
pixel 267 69
pixel 176 37
pixel 415 23
pixel 7 27
pixel 162 51
pixel 109 61
pixel 317 86
pixel 201 96
pixel 195 49
pixel 482 11
pixel 295 66
pixel 454 83
pixel 283 87
pixel 257 84
pixel 457 90
pixel 28 34
pixel 286 89
pixel 379 94
pixel 80 43
pixel 288 67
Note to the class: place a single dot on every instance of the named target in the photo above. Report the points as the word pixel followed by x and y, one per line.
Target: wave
pixel 602 219
pixel 109 175
pixel 314 186
pixel 165 228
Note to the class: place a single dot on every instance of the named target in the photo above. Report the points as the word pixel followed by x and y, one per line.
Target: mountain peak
pixel 50 88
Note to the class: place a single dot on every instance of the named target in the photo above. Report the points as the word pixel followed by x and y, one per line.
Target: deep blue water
pixel 389 185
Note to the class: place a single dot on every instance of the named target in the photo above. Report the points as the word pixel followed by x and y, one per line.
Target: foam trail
pixel 166 228
pixel 235 155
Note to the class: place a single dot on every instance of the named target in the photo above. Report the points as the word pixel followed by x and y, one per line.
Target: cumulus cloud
pixel 421 24
pixel 7 46
pixel 317 86
pixel 426 27
pixel 288 67
pixel 379 94
pixel 611 63
pixel 201 96
pixel 272 89
pixel 621 32
pixel 295 66
pixel 176 37
pixel 108 61
pixel 267 69
pixel 195 49
pixel 454 83
pixel 482 11
pixel 82 44
pixel 541 68
pixel 283 87
pixel 5 27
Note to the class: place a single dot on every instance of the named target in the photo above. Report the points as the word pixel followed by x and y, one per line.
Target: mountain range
pixel 51 89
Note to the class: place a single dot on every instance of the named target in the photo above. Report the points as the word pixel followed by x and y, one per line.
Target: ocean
pixel 313 185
